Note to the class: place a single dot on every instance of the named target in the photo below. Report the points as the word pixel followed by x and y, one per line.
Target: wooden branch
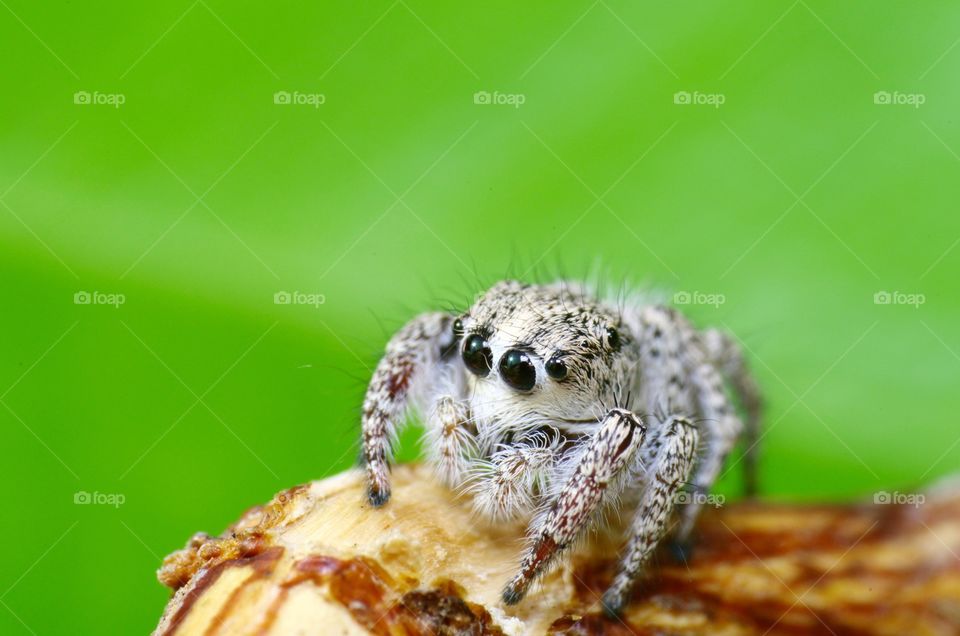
pixel 318 560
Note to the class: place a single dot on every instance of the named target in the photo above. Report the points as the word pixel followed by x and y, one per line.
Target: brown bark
pixel 318 560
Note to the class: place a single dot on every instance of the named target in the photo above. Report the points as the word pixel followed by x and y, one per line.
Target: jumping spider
pixel 540 399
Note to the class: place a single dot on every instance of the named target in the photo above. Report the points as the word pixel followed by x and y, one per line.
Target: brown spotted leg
pixel 408 367
pixel 605 458
pixel 668 458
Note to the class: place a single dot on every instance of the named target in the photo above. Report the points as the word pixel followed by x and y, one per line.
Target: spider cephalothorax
pixel 547 401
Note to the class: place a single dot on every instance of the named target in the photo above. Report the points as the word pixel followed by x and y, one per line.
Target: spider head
pixel 539 354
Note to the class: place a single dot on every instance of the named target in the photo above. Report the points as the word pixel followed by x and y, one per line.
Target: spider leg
pixel 668 459
pixel 595 473
pixel 677 378
pixel 450 443
pixel 720 430
pixel 727 355
pixel 413 358
pixel 512 475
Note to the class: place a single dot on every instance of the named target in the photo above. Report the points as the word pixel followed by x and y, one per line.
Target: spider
pixel 552 403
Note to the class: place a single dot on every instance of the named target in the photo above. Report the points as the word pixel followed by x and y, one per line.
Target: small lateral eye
pixel 613 338
pixel 457 328
pixel 556 369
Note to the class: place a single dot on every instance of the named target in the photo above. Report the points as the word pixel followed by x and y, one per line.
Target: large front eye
pixel 517 370
pixel 477 355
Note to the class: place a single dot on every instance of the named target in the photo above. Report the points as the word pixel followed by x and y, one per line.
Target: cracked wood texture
pixel 318 560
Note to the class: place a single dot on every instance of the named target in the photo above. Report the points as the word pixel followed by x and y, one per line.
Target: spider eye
pixel 457 328
pixel 556 369
pixel 477 355
pixel 613 338
pixel 517 370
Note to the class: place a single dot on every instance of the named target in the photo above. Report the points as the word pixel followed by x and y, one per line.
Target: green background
pixel 199 198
